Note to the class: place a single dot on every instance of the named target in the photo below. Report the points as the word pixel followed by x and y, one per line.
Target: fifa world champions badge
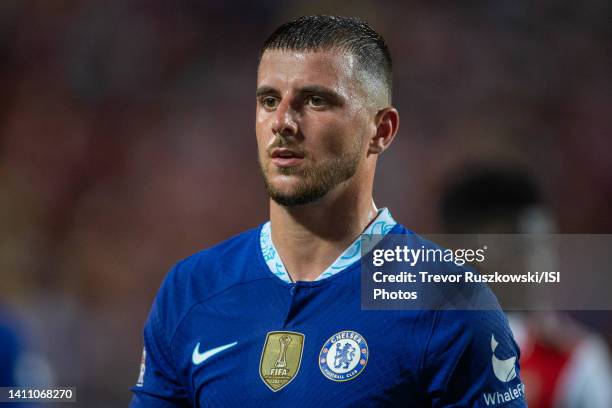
pixel 344 356
pixel 281 358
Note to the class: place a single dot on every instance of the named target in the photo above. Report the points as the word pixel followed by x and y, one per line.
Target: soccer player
pixel 272 317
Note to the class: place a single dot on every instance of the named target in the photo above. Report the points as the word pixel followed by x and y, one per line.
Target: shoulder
pixel 214 269
pixel 463 342
pixel 207 273
pixel 470 329
pixel 473 360
pixel 225 258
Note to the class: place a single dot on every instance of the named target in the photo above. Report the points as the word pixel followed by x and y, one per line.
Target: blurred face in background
pixel 313 123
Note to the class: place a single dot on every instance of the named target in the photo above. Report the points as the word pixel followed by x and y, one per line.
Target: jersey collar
pixel 381 225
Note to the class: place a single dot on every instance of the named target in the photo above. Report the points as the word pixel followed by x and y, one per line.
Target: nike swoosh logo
pixel 199 358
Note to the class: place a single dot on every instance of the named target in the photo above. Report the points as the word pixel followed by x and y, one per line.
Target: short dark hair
pixel 316 33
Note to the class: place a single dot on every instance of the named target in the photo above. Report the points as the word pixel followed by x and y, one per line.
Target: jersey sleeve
pixel 159 385
pixel 472 360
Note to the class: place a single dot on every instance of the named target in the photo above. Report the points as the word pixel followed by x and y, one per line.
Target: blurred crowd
pixel 127 142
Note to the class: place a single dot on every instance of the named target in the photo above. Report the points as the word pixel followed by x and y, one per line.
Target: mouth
pixel 284 157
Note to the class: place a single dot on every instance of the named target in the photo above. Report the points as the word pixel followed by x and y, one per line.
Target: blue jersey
pixel 228 329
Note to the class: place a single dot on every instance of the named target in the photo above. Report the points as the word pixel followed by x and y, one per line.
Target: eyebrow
pixel 309 89
pixel 266 90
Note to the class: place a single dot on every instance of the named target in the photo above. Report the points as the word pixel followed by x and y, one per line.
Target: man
pixel 272 317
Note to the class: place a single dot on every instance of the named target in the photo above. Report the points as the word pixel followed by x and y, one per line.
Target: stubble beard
pixel 314 182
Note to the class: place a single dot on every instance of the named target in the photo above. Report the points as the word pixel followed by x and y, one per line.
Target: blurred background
pixel 127 142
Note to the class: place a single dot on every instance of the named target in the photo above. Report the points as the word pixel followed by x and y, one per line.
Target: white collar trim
pixel 381 225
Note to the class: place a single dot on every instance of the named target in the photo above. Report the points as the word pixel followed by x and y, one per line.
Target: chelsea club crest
pixel 344 356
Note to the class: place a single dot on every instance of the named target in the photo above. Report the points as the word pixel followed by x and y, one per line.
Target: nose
pixel 284 123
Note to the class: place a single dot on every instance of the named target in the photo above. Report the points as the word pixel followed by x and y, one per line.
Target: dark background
pixel 127 142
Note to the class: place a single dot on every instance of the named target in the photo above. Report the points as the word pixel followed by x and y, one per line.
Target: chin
pixel 285 184
pixel 282 194
pixel 297 196
pixel 292 201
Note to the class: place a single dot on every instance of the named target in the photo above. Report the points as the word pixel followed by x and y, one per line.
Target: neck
pixel 309 238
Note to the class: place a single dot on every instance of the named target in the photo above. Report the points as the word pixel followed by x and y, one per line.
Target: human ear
pixel 387 123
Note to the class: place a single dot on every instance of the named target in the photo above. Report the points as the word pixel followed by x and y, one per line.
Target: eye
pixel 269 102
pixel 316 101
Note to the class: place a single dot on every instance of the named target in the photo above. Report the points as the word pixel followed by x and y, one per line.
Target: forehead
pixel 330 68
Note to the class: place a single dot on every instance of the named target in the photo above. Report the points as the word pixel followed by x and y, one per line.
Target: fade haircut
pixel 349 34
